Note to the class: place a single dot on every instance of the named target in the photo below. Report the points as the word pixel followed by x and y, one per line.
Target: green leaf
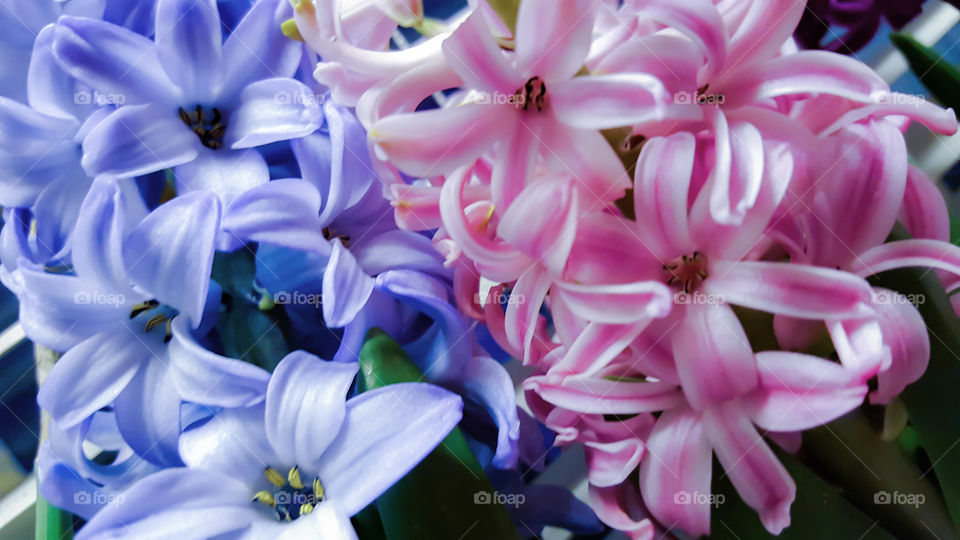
pixel 819 511
pixel 940 78
pixel 235 271
pixel 250 335
pixel 51 522
pixel 931 401
pixel 439 498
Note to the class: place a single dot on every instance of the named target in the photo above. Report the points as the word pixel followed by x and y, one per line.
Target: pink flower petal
pixel 544 236
pixel 800 392
pixel 431 143
pixel 586 155
pixel 797 290
pixel 661 183
pixel 906 253
pixel 553 37
pixel 616 303
pixel 762 30
pixel 905 333
pixel 507 260
pixel 754 470
pixel 608 101
pixel 608 464
pixel 602 396
pixel 596 346
pixel 698 20
pixel 523 313
pixel 859 345
pixel 675 474
pixel 474 54
pixel 714 358
pixel 516 158
pixel 924 211
pixel 621 508
pixel 806 72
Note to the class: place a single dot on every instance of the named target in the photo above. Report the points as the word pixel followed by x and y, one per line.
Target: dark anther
pixel 210 132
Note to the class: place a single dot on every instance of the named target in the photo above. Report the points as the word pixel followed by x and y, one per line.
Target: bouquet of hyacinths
pixel 281 252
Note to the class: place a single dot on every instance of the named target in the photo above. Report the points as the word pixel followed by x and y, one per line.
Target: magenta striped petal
pixel 602 396
pixel 544 236
pixel 924 212
pixel 800 392
pixel 608 464
pixel 608 101
pixel 552 38
pixel 696 19
pixel 675 476
pixel 905 333
pixel 617 303
pixel 596 346
pixel 474 54
pixel 713 356
pixel 908 253
pixel 662 180
pixel 797 290
pixel 758 476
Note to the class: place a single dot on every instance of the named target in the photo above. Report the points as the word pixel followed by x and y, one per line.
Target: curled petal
pixel 602 396
pixel 799 392
pixel 790 289
pixel 906 253
pixel 608 101
pixel 758 476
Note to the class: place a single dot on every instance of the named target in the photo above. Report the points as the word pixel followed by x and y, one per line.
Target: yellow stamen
pixel 486 220
pixel 294 478
pixel 156 321
pixel 305 509
pixel 290 30
pixel 318 489
pixel 274 477
pixel 265 497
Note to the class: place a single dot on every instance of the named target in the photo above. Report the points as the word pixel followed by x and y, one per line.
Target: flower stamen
pixel 687 271
pixel 210 133
pixel 533 91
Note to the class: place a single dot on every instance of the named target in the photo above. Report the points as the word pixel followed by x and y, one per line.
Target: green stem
pixel 878 478
pixel 52 523
pixel 507 10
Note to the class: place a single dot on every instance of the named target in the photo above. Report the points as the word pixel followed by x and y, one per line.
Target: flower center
pixel 159 315
pixel 686 272
pixel 291 498
pixel 531 94
pixel 209 128
pixel 330 234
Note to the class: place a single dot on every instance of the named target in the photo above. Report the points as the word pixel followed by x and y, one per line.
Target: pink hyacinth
pixel 767 180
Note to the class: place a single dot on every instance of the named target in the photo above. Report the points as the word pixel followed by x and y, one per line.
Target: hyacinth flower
pixel 296 466
pixel 353 41
pixel 895 346
pixel 370 274
pixel 525 105
pixel 190 102
pixel 113 315
pixel 73 479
